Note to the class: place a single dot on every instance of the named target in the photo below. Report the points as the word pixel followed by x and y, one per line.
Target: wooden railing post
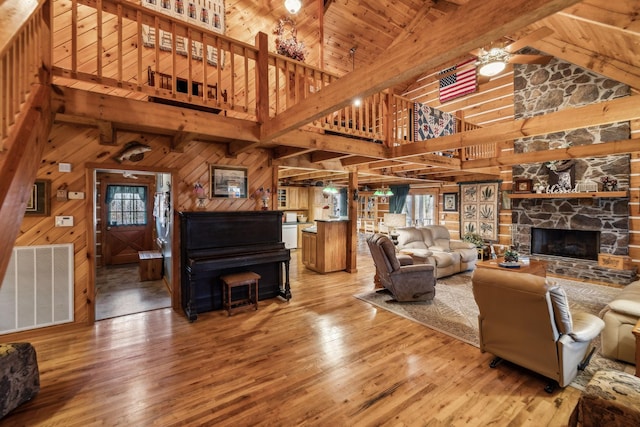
pixel 388 127
pixel 262 78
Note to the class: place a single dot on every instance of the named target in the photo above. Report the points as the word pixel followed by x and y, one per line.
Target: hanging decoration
pixel 207 14
pixel 290 46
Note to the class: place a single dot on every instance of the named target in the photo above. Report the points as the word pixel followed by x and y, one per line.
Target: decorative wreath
pixel 288 46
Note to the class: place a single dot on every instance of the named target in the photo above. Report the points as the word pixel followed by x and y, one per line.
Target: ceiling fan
pixel 493 60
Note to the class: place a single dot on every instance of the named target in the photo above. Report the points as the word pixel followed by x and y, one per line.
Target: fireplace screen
pixel 578 244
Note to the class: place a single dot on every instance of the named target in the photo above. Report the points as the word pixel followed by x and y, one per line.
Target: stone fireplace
pixel 570 223
pixel 578 244
pixel 539 90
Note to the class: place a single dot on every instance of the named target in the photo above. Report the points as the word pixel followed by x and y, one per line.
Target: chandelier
pixel 330 189
pixel 293 6
pixel 381 192
pixel 493 61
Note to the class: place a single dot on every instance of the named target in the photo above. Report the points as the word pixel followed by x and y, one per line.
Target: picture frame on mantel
pixel 522 185
pixel 39 203
pixel 228 181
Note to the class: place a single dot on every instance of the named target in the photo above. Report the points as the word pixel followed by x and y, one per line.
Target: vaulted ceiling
pixel 599 35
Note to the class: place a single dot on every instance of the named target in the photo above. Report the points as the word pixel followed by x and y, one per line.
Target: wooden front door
pixel 126 217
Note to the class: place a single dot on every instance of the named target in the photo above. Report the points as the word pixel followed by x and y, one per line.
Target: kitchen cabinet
pixel 372 208
pixel 293 198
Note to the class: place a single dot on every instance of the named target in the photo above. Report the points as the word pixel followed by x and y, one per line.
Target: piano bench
pixel 230 281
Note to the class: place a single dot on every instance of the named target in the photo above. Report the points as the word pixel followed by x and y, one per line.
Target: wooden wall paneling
pixel 80 145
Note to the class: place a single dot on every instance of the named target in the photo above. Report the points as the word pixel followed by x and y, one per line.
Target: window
pixel 126 205
pixel 420 209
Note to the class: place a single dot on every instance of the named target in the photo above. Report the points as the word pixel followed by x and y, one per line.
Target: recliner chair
pixel 405 282
pixel 525 319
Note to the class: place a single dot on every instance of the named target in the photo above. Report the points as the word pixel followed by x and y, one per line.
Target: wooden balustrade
pixel 123 45
pixel 125 36
pixel 22 53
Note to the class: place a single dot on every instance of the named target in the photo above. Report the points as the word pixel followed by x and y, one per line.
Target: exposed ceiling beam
pixel 578 152
pixel 284 152
pixel 107 132
pixel 598 63
pixel 606 112
pixel 445 40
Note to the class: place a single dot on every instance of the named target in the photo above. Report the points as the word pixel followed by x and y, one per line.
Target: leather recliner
pixel 405 282
pixel 526 320
pixel 620 317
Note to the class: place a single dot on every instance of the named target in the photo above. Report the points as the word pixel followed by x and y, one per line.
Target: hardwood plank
pixel 326 356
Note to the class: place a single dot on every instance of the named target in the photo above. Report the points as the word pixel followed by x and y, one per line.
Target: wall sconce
pixel 355 194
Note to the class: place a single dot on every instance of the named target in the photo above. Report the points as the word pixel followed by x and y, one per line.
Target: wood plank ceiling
pixel 599 35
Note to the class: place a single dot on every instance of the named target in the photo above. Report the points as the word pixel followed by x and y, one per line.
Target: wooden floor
pixel 324 358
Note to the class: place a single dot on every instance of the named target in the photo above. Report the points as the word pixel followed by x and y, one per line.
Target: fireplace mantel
pixel 583 195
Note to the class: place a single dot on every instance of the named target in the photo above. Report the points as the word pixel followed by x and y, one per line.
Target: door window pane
pixel 126 205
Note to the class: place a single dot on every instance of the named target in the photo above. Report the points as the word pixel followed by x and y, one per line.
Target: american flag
pixel 460 83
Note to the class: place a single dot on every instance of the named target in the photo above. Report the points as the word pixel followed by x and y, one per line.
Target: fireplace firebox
pixel 579 244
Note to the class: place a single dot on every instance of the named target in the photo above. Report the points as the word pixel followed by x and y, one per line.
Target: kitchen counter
pixel 325 250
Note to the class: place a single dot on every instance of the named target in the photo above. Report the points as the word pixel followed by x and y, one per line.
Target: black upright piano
pixel 213 244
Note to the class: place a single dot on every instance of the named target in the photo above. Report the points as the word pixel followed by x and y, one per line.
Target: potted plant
pixel 474 238
pixel 511 255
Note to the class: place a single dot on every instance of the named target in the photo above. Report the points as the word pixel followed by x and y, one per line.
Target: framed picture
pixel 450 202
pixel 228 181
pixel 39 203
pixel 522 186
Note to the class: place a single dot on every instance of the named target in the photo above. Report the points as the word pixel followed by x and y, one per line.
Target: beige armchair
pixel 405 282
pixel 526 320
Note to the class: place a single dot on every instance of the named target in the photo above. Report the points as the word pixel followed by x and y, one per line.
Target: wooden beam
pixel 321 156
pixel 445 40
pixel 598 63
pixel 284 152
pixel 180 139
pixel 579 152
pixel 617 110
pixel 19 164
pixel 107 132
pixel 126 113
pixel 352 234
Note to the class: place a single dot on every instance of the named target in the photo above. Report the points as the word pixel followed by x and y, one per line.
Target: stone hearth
pixel 609 216
pixel 556 86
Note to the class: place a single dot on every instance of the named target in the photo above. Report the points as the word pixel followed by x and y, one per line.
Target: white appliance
pixel 290 235
pixel 290 217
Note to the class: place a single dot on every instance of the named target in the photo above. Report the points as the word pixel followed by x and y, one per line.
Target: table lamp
pixel 393 221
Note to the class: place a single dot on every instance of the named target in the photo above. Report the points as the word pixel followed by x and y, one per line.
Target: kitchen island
pixel 324 247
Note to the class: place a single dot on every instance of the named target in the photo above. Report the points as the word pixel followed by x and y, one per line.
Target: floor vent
pixel 37 290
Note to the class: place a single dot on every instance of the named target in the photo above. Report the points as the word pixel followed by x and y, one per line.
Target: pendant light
pixel 293 6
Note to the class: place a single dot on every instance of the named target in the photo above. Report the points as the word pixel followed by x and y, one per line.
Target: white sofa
pixel 432 244
pixel 620 316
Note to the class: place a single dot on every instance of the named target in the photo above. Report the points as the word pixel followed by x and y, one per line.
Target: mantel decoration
pixel 609 183
pixel 289 47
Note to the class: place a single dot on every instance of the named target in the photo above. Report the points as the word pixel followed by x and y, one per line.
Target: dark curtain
pixel 399 198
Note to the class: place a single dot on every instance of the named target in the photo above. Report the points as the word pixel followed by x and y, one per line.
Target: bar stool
pixel 230 281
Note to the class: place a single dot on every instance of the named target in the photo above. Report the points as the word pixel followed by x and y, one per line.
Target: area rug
pixel 454 312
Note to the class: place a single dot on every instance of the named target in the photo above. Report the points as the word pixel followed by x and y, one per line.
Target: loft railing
pixel 112 44
pixel 22 54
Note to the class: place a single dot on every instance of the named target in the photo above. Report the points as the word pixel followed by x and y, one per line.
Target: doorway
pixel 127 221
